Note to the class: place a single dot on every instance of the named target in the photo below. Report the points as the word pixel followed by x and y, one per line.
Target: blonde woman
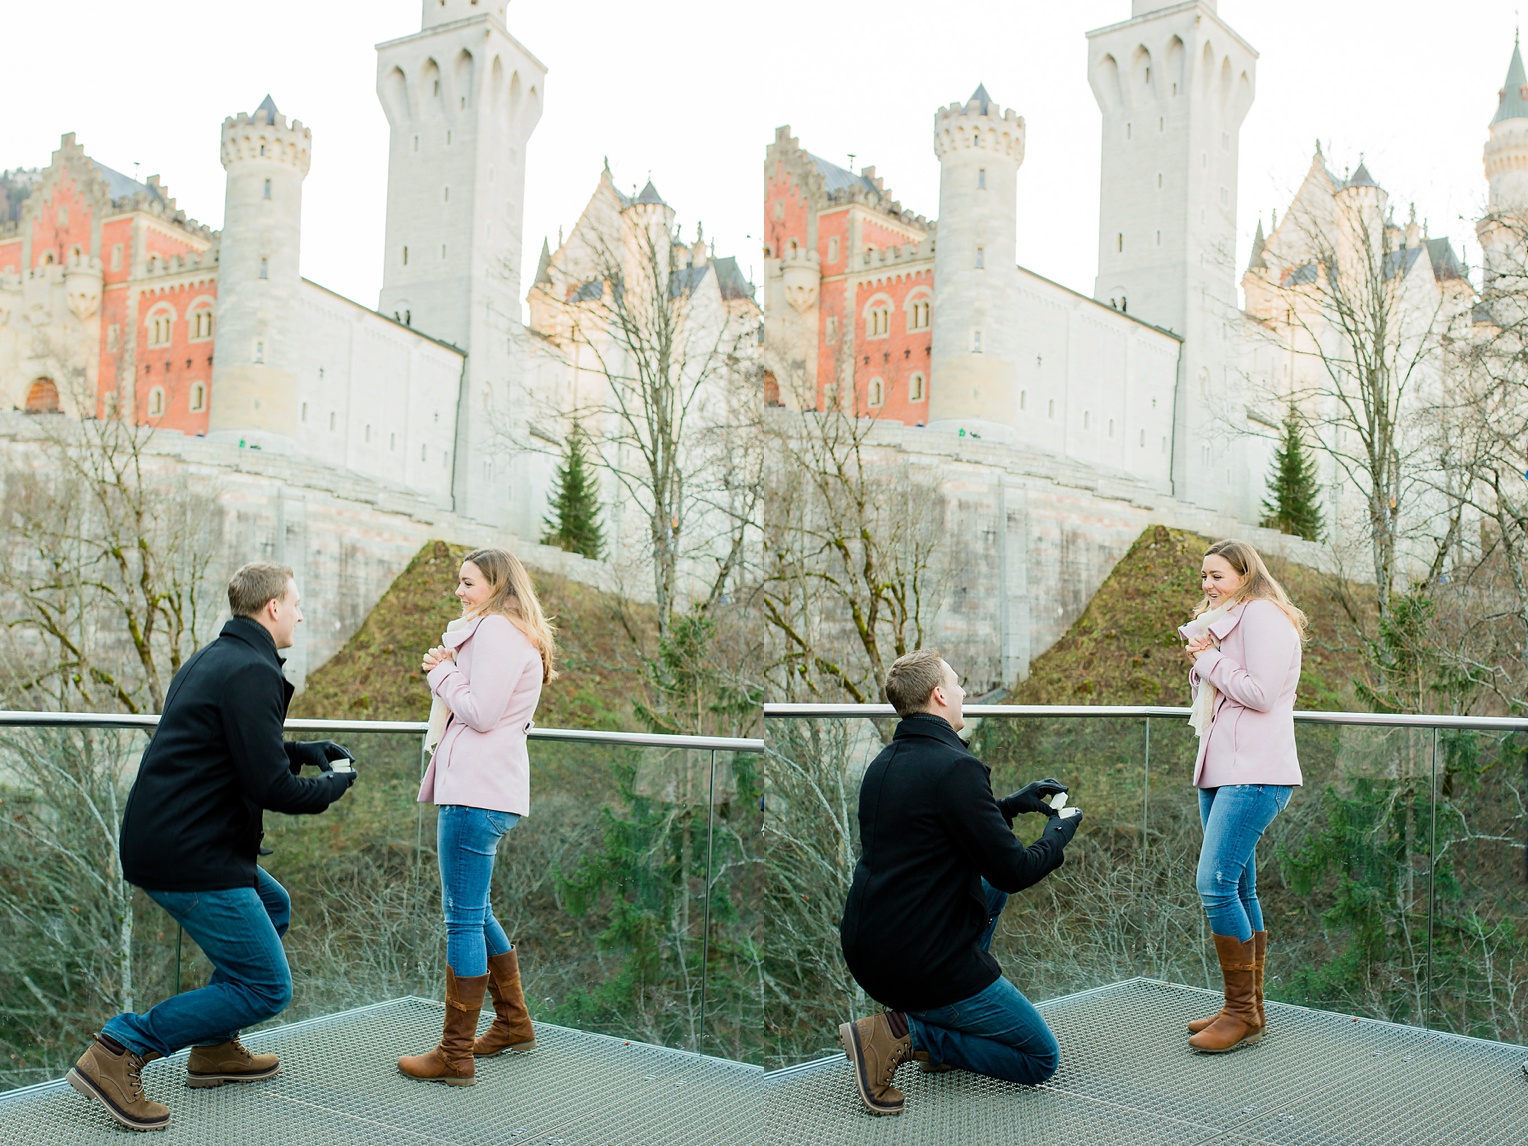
pixel 1245 641
pixel 486 677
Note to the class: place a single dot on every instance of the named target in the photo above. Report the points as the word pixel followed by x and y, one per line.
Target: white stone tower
pixel 1506 162
pixel 254 384
pixel 980 147
pixel 1174 83
pixel 462 97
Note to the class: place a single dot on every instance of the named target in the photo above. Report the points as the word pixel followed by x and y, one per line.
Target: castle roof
pixel 731 280
pixel 1258 245
pixel 1361 178
pixel 267 108
pixel 1512 101
pixel 981 97
pixel 650 196
pixel 1446 264
pixel 544 266
pixel 836 178
pixel 120 186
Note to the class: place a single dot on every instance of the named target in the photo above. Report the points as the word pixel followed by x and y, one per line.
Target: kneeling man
pixel 938 861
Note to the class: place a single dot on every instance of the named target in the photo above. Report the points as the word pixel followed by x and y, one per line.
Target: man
pixel 938 860
pixel 190 837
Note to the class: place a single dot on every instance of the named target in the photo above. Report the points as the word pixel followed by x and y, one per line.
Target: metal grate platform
pixel 1126 1077
pixel 339 1086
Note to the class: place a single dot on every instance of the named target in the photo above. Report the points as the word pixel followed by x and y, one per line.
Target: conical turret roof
pixel 267 108
pixel 544 266
pixel 1512 104
pixel 1258 244
pixel 982 98
pixel 650 196
pixel 1361 178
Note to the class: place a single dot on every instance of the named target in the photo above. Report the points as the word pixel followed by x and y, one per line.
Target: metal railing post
pixel 1432 876
pixel 705 939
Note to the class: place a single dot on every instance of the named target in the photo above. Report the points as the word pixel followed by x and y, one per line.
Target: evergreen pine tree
pixel 575 521
pixel 1293 504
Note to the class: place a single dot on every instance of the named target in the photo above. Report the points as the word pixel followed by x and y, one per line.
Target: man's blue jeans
pixel 466 839
pixel 239 930
pixel 996 1032
pixel 1235 816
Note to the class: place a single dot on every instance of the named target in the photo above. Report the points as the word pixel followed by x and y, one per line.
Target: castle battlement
pixel 266 134
pixel 979 124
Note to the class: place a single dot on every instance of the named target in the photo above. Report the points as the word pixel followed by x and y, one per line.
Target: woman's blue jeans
pixel 996 1032
pixel 466 839
pixel 1235 816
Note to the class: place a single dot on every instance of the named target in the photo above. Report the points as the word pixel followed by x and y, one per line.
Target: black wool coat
pixel 930 832
pixel 194 817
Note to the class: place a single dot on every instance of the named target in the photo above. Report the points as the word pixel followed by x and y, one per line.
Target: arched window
pixel 161 325
pixel 877 395
pixel 915 391
pixel 877 315
pixel 976 342
pixel 265 268
pixel 198 397
pixel 981 258
pixel 42 397
pixel 918 313
pixel 156 402
pixel 981 178
pixel 267 188
pixel 200 319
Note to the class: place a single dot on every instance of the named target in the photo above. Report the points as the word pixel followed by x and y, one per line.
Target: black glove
pixel 340 781
pixel 318 753
pixel 1064 826
pixel 1029 798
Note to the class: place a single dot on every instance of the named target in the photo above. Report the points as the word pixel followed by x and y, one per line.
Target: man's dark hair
pixel 912 679
pixel 255 585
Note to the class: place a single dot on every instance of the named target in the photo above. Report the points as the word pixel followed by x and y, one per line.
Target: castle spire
pixel 267 112
pixel 1258 243
pixel 544 266
pixel 980 97
pixel 1512 100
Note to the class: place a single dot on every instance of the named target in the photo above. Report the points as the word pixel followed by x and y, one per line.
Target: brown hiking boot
pixel 927 1065
pixel 228 1062
pixel 1236 1025
pixel 112 1075
pixel 451 1062
pixel 511 1029
pixel 1259 958
pixel 876 1046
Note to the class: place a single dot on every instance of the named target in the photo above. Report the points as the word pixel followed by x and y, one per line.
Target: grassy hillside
pixel 376 675
pixel 1125 648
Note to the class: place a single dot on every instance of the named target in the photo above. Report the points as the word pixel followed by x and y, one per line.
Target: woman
pixel 1245 642
pixel 486 675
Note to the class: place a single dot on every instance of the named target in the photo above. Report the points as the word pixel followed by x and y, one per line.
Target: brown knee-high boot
pixel 1237 1023
pixel 1259 957
pixel 451 1062
pixel 511 1029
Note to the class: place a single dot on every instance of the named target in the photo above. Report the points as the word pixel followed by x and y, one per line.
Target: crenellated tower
pixel 462 97
pixel 1174 83
pixel 1506 163
pixel 254 381
pixel 980 147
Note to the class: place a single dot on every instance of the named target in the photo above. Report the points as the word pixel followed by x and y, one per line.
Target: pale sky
pixel 690 93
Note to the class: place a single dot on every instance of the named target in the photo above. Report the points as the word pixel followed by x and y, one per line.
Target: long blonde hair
pixel 514 598
pixel 1257 583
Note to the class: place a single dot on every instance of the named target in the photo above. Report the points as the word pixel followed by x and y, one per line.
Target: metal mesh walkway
pixel 1126 1077
pixel 339 1086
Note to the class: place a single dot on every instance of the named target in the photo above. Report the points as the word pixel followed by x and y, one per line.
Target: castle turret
pixel 980 147
pixel 254 384
pixel 1174 83
pixel 462 97
pixel 1506 163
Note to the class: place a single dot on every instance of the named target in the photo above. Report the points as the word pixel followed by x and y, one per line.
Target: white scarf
pixel 1202 714
pixel 440 712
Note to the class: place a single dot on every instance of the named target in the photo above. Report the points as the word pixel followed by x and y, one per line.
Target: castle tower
pixel 462 97
pixel 1506 163
pixel 972 368
pixel 1174 83
pixel 254 384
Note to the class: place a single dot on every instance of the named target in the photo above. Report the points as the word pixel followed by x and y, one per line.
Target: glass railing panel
pixel 1479 981
pixel 1088 922
pixel 1346 874
pixel 75 939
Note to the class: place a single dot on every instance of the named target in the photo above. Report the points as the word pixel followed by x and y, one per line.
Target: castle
pixel 1063 422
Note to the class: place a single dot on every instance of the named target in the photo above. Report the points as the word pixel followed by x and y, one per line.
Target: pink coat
pixel 491 688
pixel 1255 671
